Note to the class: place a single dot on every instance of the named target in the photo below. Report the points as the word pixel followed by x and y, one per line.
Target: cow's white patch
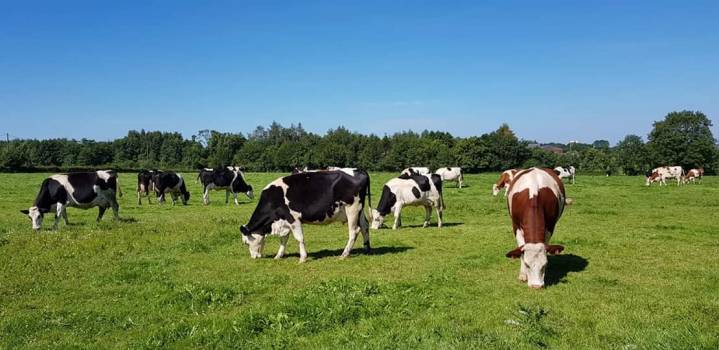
pixel 534 258
pixel 519 236
pixel 534 180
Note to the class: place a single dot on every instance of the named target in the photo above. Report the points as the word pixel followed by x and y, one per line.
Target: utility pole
pixel 7 136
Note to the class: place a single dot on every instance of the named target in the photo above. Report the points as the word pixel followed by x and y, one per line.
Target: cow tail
pixel 117 183
pixel 369 197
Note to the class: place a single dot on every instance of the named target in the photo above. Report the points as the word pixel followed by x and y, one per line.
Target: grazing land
pixel 640 271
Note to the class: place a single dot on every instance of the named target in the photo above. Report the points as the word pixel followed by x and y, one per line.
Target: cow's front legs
pixel 64 215
pixel 236 202
pixel 364 228
pixel 353 230
pixel 173 196
pixel 283 246
pixel 139 196
pixel 427 215
pixel 300 237
pixel 397 216
pixel 58 214
pixel 206 196
pixel 100 213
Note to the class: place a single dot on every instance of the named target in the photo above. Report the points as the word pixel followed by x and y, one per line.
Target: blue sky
pixel 554 71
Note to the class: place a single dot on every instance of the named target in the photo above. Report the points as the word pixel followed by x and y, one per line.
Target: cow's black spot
pixel 270 208
pixel 51 192
pixel 82 184
pixel 387 201
pixel 415 192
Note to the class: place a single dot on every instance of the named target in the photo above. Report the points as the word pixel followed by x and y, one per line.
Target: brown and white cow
pixel 661 174
pixel 694 175
pixel 536 201
pixel 505 179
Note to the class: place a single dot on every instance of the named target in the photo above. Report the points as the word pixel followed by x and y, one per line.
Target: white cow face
pixel 534 260
pixel 35 216
pixel 377 220
pixel 495 190
pixel 256 243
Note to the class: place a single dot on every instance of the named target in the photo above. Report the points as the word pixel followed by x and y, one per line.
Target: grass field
pixel 640 271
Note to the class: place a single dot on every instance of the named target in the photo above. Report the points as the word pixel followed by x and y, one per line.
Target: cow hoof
pixel 522 278
pixel 302 260
pixel 536 286
pixel 425 225
pixel 278 257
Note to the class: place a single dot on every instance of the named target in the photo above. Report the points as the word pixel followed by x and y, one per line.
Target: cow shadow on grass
pixel 328 253
pixel 433 225
pixel 561 265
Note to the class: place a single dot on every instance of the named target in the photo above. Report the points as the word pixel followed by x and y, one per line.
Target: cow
pixel 172 183
pixel 145 185
pixel 451 174
pixel 661 174
pixel 535 200
pixel 566 172
pixel 409 190
pixel 505 179
pixel 311 198
pixel 82 190
pixel 693 175
pixel 415 170
pixel 232 181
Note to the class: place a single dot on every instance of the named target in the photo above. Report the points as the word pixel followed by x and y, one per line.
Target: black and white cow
pixel 80 190
pixel 566 172
pixel 415 170
pixel 172 183
pixel 410 190
pixel 145 185
pixel 451 174
pixel 312 198
pixel 232 181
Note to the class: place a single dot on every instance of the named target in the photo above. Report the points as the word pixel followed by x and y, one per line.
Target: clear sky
pixel 554 71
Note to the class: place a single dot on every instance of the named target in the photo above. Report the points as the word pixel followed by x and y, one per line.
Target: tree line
pixel 681 138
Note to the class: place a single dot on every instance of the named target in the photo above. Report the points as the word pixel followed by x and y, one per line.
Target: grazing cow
pixel 505 179
pixel 312 198
pixel 80 190
pixel 410 190
pixel 535 200
pixel 564 172
pixel 693 175
pixel 232 181
pixel 349 171
pixel 172 183
pixel 451 174
pixel 661 174
pixel 415 170
pixel 145 185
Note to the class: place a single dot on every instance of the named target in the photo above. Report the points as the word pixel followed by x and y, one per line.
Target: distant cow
pixel 145 185
pixel 505 179
pixel 80 190
pixel 415 170
pixel 232 181
pixel 410 190
pixel 312 198
pixel 451 174
pixel 172 183
pixel 535 200
pixel 694 175
pixel 566 172
pixel 661 174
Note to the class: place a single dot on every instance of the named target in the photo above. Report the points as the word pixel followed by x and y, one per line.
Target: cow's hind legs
pixel 115 209
pixel 100 213
pixel 439 216
pixel 364 228
pixel 427 215
pixel 352 216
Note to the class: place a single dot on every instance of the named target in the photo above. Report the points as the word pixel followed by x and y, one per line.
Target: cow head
pixel 36 215
pixel 653 177
pixel 533 258
pixel 254 241
pixel 249 192
pixel 185 198
pixel 495 189
pixel 377 219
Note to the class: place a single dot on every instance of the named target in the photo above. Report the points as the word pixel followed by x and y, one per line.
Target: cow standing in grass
pixel 694 175
pixel 536 201
pixel 145 185
pixel 505 179
pixel 451 174
pixel 80 190
pixel 309 198
pixel 172 183
pixel 409 190
pixel 661 174
pixel 230 179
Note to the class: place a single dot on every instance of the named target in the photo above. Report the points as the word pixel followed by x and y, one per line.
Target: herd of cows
pixel 535 199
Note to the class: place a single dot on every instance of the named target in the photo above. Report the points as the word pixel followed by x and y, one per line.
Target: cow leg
pixel 427 215
pixel 522 270
pixel 352 217
pixel 439 215
pixel 283 246
pixel 227 196
pixel 100 213
pixel 64 215
pixel 58 215
pixel 139 195
pixel 300 237
pixel 519 236
pixel 173 195
pixel 397 219
pixel 206 196
pixel 236 202
pixel 115 209
pixel 364 228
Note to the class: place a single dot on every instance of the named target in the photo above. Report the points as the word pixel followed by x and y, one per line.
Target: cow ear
pixel 554 248
pixel 556 172
pixel 515 253
pixel 25 211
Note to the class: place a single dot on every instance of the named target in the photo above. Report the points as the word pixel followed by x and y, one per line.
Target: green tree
pixel 682 138
pixel 632 155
